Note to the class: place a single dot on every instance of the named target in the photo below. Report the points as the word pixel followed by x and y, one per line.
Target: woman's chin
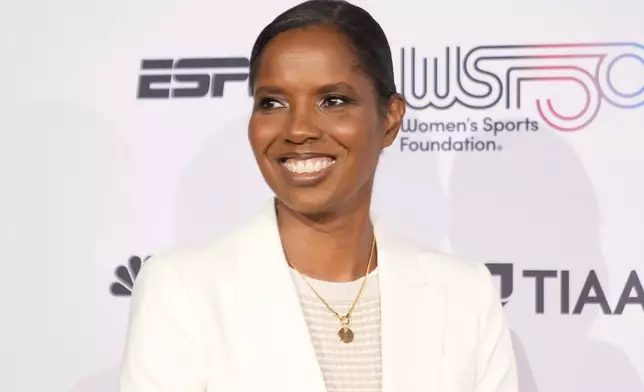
pixel 308 205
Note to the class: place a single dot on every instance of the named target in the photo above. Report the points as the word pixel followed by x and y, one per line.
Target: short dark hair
pixel 365 36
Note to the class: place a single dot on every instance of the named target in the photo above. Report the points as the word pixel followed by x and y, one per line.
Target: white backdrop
pixel 91 175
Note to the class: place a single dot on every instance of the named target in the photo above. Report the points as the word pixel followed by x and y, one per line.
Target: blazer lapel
pixel 412 316
pixel 270 323
pixel 279 353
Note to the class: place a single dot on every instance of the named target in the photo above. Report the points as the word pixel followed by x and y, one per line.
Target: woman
pixel 313 296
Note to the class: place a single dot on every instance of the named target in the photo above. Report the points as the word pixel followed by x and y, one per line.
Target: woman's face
pixel 316 128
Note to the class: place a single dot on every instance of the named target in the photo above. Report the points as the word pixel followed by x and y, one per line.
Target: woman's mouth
pixel 308 165
pixel 306 171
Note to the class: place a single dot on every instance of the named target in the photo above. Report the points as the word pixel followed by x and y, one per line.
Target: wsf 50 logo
pixel 498 75
pixel 190 77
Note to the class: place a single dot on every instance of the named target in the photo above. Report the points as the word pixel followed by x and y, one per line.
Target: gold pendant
pixel 346 334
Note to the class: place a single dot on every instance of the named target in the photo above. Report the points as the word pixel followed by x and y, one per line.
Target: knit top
pixel 346 367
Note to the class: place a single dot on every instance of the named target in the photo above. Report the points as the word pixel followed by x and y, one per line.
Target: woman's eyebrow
pixel 268 90
pixel 334 87
pixel 325 89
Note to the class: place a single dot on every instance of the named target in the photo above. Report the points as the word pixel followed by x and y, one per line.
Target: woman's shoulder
pixel 466 282
pixel 453 266
pixel 441 265
pixel 199 257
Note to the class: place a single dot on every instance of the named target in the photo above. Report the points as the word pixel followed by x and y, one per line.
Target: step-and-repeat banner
pixel 123 134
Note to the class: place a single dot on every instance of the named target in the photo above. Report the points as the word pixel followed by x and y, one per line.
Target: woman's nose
pixel 302 126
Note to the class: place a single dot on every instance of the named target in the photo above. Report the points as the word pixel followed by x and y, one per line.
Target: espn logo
pixel 190 77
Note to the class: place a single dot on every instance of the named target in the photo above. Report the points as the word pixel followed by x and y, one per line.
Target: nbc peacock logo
pixel 126 276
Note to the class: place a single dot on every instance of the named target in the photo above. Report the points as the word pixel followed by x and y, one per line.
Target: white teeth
pixel 310 165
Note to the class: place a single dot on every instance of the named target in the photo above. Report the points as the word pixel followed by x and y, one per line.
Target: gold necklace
pixel 345 333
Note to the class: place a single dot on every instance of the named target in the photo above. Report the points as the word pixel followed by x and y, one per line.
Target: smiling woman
pixel 325 105
pixel 315 295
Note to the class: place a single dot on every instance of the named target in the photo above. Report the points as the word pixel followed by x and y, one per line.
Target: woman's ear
pixel 393 119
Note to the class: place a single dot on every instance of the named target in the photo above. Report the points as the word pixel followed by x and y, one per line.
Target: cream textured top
pixel 352 367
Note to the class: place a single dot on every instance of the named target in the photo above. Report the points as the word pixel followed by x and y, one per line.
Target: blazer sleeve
pixel 163 350
pixel 496 365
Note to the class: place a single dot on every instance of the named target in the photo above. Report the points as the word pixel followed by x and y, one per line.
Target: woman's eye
pixel 334 101
pixel 269 103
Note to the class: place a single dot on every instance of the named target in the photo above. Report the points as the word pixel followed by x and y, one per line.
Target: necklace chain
pixel 346 334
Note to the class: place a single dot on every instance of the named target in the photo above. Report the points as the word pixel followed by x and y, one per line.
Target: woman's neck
pixel 332 247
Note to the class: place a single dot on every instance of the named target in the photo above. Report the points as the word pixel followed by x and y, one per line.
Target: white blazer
pixel 226 318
